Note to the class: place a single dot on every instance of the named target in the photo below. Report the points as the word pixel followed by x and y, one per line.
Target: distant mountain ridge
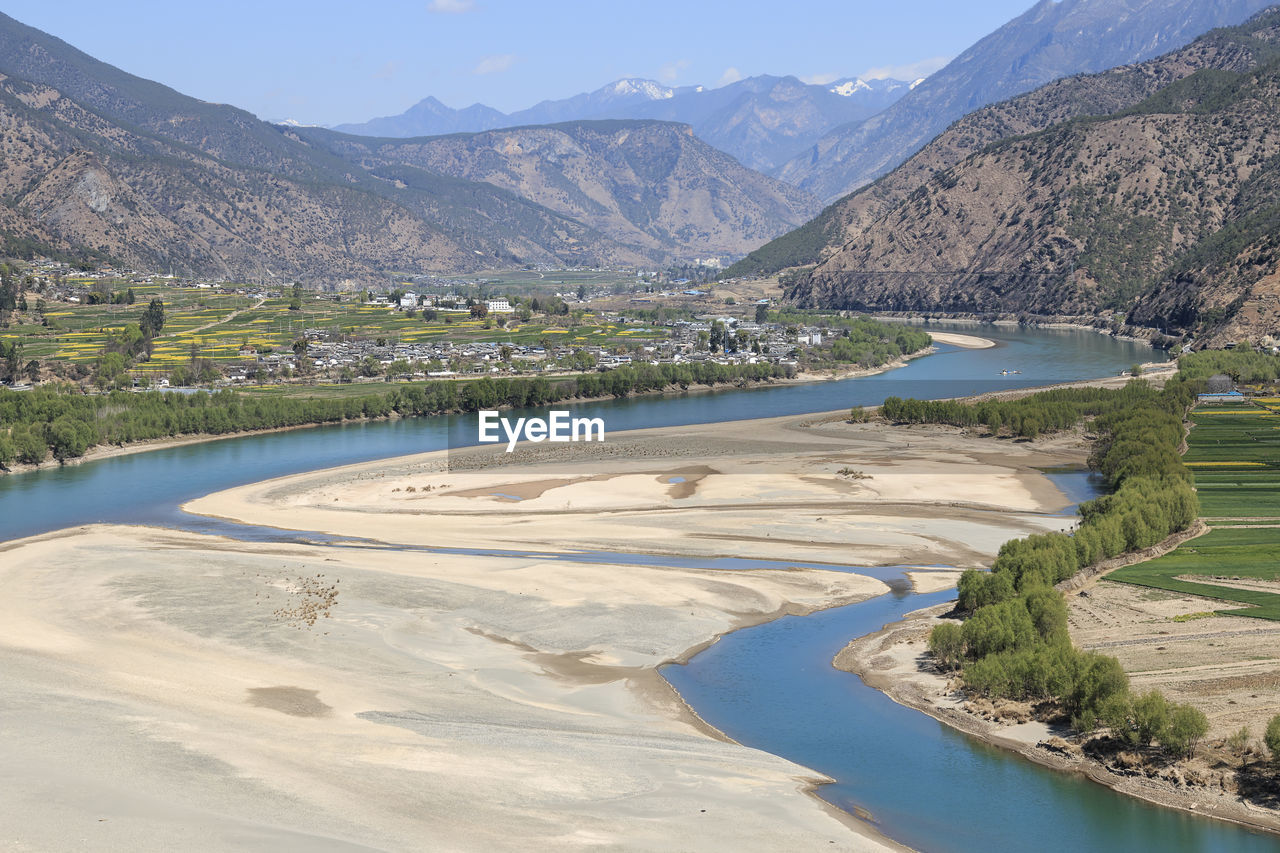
pixel 97 161
pixel 763 120
pixel 1053 39
pixel 648 184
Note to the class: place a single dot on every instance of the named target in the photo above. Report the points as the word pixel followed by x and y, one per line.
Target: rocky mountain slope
pixel 97 161
pixel 1053 39
pixel 763 121
pixel 1070 97
pixel 648 184
pixel 1151 191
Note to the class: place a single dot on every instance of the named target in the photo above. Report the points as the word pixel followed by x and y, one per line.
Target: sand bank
pixel 168 690
pixel 181 691
pixel 963 341
pixel 802 488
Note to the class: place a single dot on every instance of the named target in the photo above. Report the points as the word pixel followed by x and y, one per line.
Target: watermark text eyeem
pixel 560 427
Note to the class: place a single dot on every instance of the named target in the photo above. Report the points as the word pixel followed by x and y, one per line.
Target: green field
pixel 1235 454
pixel 1226 553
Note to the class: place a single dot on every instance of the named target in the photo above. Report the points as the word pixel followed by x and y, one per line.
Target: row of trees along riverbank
pixel 1013 642
pixel 62 422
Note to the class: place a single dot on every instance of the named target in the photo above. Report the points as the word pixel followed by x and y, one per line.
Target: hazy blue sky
pixel 327 62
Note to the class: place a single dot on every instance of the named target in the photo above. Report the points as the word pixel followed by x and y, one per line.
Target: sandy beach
pixel 167 689
pixel 964 341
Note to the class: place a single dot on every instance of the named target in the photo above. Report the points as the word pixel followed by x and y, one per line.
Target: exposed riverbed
pixel 770 686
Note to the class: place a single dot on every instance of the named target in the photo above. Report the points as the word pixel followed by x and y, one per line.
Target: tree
pixel 1238 744
pixel 1272 737
pixel 479 310
pixel 946 642
pixel 29 446
pixel 1186 726
pixel 718 336
pixel 153 318
pixel 762 313
pixel 1150 716
pixel 68 438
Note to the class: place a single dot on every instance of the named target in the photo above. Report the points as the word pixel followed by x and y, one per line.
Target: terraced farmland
pixel 1235 565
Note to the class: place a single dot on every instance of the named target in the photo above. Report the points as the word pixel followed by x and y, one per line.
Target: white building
pixel 409 300
pixel 498 306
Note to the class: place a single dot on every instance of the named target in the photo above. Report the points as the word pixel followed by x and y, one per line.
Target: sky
pixel 325 62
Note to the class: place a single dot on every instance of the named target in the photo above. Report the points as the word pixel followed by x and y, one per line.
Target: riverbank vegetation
pixel 1013 642
pixel 61 421
pixel 1234 451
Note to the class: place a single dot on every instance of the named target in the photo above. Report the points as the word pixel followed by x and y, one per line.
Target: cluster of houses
pixel 327 353
pixel 676 342
pixel 447 303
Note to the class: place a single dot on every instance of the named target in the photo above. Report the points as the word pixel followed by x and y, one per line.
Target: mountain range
pixel 648 184
pixel 763 120
pixel 1053 39
pixel 101 162
pixel 1150 191
pixel 1026 205
pixel 832 139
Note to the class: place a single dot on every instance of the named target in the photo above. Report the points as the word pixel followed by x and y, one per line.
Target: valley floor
pixel 165 688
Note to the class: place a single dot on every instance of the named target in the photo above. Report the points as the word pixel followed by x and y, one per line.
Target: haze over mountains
pixel 1150 190
pixel 763 121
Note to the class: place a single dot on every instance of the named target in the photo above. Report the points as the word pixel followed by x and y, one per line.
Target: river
pixel 772 686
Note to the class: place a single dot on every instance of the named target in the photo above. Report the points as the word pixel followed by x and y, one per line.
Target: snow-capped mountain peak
pixel 847 88
pixel 630 88
pixel 917 82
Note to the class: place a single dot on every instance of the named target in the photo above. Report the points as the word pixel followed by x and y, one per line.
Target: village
pixel 219 334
